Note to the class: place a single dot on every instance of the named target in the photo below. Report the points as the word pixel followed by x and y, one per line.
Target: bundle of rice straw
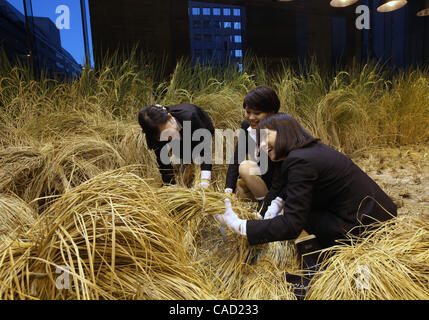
pixel 16 247
pixel 240 271
pixel 16 216
pixel 390 263
pixel 114 241
pixel 35 171
pixel 19 171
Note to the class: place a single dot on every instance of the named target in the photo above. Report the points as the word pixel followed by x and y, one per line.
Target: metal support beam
pixel 85 33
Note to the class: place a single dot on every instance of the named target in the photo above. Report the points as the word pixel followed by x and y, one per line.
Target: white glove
pixel 230 219
pixel 228 190
pixel 206 177
pixel 205 184
pixel 275 208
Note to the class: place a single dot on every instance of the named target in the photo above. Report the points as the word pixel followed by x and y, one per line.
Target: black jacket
pixel 322 185
pixel 233 168
pixel 199 120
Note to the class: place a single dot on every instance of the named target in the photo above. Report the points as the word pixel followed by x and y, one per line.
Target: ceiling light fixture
pixel 391 5
pixel 425 11
pixel 342 3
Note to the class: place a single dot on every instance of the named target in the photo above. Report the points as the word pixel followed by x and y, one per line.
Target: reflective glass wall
pixel 217 33
pixel 53 35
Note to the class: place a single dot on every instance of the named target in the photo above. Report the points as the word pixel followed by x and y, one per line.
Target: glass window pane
pixel 237 25
pixel 226 12
pixel 238 53
pixel 216 11
pixel 196 11
pixel 237 39
pixel 237 12
pixel 13 35
pixel 227 25
pixel 59 33
pixel 196 23
pixel 206 11
pixel 17 4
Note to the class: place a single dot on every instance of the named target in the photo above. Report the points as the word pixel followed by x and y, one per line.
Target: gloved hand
pixel 230 219
pixel 205 183
pixel 228 190
pixel 275 208
pixel 206 177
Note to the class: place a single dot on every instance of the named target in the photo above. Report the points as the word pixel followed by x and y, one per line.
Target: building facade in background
pixel 217 33
pixel 220 32
pixel 35 40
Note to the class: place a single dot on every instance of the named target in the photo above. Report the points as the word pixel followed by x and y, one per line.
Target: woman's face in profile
pixel 170 130
pixel 253 116
pixel 268 142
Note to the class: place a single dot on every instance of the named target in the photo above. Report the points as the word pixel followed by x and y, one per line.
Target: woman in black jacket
pixel 246 177
pixel 164 125
pixel 325 194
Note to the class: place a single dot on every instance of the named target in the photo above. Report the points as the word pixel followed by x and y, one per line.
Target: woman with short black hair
pixel 245 177
pixel 159 122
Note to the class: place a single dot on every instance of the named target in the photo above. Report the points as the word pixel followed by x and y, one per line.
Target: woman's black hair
pixel 262 98
pixel 290 134
pixel 150 120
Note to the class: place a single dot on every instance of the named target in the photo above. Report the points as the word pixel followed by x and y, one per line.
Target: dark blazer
pixel 233 168
pixel 199 120
pixel 323 190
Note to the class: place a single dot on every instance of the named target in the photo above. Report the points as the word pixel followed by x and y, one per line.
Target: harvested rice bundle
pixel 79 159
pixel 266 283
pixel 37 172
pixel 115 240
pixel 15 277
pixel 225 258
pixel 391 263
pixel 185 204
pixel 266 275
pixel 282 254
pixel 133 149
pixel 20 168
pixel 16 216
pixel 17 246
pixel 238 269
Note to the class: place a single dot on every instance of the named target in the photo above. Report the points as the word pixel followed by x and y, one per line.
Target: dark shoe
pixel 309 250
pixel 300 284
